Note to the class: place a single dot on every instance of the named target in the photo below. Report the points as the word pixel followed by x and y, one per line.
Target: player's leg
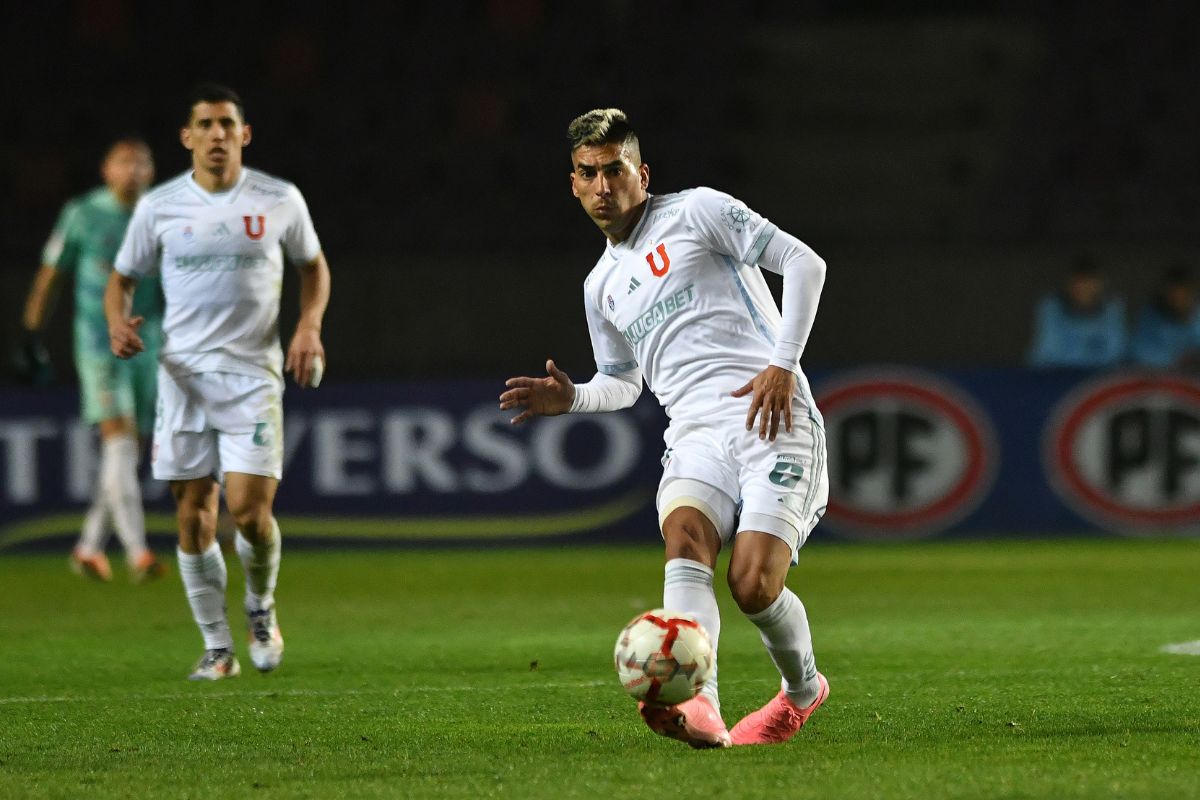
pixel 784 495
pixel 122 491
pixel 691 515
pixel 87 557
pixel 250 499
pixel 202 569
pixel 695 516
pixel 185 455
pixel 141 374
pixel 252 459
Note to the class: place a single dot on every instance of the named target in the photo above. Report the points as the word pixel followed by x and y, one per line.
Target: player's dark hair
pixel 604 126
pixel 209 92
pixel 129 140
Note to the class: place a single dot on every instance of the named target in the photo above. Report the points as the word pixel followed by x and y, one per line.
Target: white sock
pixel 123 493
pixel 783 626
pixel 261 565
pixel 94 532
pixel 204 579
pixel 688 586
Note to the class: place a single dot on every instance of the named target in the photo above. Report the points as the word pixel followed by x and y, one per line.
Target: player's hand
pixel 31 360
pixel 123 338
pixel 306 346
pixel 539 397
pixel 773 390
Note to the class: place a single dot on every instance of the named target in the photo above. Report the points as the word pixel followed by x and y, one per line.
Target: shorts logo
pixel 254 226
pixel 188 234
pixel 260 438
pixel 1123 452
pixel 666 261
pixel 909 454
pixel 787 473
pixel 612 306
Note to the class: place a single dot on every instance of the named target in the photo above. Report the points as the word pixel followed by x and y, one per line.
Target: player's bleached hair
pixel 604 126
pixel 209 92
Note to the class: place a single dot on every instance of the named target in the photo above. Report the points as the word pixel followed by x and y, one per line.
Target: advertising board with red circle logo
pixel 1124 452
pixel 909 453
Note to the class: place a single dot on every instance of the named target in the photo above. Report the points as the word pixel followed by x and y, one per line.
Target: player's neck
pixel 626 230
pixel 125 201
pixel 221 180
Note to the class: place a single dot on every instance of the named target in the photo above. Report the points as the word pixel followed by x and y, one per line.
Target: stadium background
pixel 949 161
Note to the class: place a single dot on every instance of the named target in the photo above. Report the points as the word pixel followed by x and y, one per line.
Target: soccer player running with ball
pixel 116 396
pixel 678 299
pixel 217 235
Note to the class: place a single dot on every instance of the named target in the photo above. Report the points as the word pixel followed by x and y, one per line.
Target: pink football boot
pixel 693 721
pixel 778 720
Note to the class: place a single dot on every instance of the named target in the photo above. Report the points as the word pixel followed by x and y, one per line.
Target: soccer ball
pixel 664 657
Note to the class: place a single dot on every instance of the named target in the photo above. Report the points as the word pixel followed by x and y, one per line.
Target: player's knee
pixel 754 588
pixel 253 520
pixel 687 536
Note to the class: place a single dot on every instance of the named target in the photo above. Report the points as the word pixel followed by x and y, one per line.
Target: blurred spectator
pixel 1080 325
pixel 1167 333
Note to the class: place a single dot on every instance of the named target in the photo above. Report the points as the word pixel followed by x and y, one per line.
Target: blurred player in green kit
pixel 117 396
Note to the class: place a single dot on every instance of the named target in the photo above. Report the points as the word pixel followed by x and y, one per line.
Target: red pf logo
pixel 654 268
pixel 254 226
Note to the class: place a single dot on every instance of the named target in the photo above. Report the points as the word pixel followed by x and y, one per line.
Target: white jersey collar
pixel 219 198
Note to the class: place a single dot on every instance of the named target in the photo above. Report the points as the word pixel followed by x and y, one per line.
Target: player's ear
pixel 644 175
pixel 245 135
pixel 185 136
pixel 574 190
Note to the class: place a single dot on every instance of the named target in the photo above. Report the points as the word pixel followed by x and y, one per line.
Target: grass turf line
pixel 959 670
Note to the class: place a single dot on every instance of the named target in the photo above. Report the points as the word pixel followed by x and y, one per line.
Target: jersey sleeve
pixel 727 226
pixel 62 248
pixel 612 353
pixel 300 242
pixel 138 256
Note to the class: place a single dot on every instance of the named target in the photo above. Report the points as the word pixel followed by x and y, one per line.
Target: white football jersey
pixel 683 299
pixel 221 261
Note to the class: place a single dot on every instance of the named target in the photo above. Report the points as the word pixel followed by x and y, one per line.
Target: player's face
pixel 609 185
pixel 128 170
pixel 216 135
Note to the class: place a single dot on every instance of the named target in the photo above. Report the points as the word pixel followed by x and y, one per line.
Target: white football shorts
pixel 742 483
pixel 212 423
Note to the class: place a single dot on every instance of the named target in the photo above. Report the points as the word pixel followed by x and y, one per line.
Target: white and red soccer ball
pixel 664 657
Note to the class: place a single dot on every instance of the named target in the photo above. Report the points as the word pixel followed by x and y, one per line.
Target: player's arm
pixel 123 336
pixel 803 274
pixel 556 394
pixel 306 354
pixel 32 358
pixel 616 385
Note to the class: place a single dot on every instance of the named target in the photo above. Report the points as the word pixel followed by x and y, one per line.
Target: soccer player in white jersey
pixel 678 300
pixel 218 235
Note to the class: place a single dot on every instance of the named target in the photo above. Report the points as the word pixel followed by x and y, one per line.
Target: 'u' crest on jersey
pixel 250 229
pixel 662 252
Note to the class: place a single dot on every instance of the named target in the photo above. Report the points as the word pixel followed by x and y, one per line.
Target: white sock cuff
pixel 199 562
pixel 776 611
pixel 122 444
pixel 684 570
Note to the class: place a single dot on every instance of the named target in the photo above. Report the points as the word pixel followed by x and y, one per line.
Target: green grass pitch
pixel 1006 669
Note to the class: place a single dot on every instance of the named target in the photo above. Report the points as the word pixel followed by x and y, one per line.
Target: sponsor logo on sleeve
pixel 735 216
